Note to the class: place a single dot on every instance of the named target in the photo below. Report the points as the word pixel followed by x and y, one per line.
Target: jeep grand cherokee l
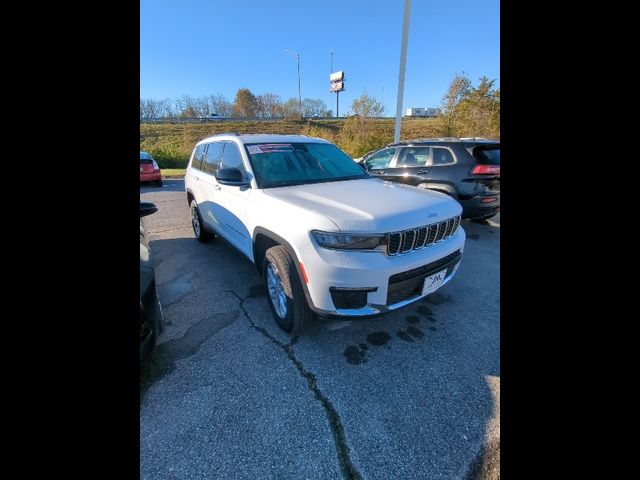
pixel 326 237
pixel 468 169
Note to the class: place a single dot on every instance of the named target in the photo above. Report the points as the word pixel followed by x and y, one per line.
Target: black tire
pixel 158 183
pixel 297 312
pixel 483 219
pixel 198 225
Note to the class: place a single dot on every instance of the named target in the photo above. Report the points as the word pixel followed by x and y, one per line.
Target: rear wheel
pixel 158 183
pixel 196 223
pixel 286 296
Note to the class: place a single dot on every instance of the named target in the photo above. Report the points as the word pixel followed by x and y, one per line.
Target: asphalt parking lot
pixel 414 394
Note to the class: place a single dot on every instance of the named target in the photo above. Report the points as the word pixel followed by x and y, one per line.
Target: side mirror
pixel 147 208
pixel 231 176
pixel 363 166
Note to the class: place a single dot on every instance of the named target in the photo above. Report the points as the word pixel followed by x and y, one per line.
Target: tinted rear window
pixel 487 155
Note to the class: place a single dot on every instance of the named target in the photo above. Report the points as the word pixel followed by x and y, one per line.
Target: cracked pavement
pixel 413 394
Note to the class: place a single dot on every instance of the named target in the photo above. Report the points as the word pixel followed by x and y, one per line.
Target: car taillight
pixel 155 166
pixel 486 170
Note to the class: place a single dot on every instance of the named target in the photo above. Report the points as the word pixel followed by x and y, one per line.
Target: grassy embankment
pixel 171 144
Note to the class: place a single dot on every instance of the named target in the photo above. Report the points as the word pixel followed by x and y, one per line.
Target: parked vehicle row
pixel 467 169
pixel 329 239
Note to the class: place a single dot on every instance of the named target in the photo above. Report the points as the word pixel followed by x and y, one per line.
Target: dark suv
pixel 468 169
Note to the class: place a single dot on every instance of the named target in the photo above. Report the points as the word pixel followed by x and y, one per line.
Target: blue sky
pixel 200 47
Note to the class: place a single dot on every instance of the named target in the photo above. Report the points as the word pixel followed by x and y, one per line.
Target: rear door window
pixel 442 156
pixel 413 157
pixel 211 159
pixel 197 157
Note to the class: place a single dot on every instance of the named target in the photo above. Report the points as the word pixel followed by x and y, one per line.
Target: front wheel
pixel 286 296
pixel 196 223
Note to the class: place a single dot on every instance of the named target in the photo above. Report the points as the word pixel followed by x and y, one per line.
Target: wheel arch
pixel 263 239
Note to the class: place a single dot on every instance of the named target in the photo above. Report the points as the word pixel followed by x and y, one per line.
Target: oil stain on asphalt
pixel 404 336
pixel 378 338
pixel 416 332
pixel 413 319
pixel 355 355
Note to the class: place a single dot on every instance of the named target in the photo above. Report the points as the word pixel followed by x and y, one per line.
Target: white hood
pixel 370 205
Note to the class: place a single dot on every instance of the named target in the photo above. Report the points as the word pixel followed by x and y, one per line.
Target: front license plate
pixel 433 282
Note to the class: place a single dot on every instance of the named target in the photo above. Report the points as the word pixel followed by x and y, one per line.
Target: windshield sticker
pixel 271 147
pixel 253 149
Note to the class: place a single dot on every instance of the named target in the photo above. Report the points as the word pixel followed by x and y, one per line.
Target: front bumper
pixel 373 270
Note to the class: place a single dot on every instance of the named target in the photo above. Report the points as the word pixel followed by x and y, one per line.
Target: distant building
pixel 422 112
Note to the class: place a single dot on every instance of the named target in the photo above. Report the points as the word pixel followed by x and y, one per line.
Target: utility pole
pixel 299 95
pixel 403 64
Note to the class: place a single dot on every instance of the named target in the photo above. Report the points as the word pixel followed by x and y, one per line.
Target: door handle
pixel 422 172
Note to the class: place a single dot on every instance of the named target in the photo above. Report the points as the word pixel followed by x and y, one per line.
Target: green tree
pixel 245 104
pixel 367 106
pixel 457 92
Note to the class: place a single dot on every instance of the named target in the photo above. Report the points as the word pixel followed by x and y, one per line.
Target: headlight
pixel 348 241
pixel 155 165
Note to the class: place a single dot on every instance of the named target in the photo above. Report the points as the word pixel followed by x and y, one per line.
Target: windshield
pixel 283 164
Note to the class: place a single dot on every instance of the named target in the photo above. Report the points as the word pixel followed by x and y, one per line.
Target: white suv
pixel 326 237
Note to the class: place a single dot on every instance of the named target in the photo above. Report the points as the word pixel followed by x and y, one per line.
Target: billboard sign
pixel 337 76
pixel 337 87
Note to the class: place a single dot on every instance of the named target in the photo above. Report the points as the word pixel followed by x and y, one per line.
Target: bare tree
pixel 220 105
pixel 269 105
pixel 165 108
pixel 313 107
pixel 291 108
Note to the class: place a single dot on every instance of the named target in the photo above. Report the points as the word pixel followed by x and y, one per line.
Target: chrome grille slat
pixel 440 234
pixel 449 227
pixel 409 240
pixel 393 243
pixel 420 237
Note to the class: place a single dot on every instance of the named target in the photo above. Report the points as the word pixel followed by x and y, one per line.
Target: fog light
pixel 350 297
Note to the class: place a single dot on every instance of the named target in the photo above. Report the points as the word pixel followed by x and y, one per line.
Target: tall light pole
pixel 298 60
pixel 403 64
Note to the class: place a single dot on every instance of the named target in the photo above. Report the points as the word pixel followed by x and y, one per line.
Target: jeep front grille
pixel 417 238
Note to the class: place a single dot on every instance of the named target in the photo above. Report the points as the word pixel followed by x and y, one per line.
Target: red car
pixel 149 169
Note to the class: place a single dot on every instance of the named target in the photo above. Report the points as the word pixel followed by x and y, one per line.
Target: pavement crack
pixel 349 471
